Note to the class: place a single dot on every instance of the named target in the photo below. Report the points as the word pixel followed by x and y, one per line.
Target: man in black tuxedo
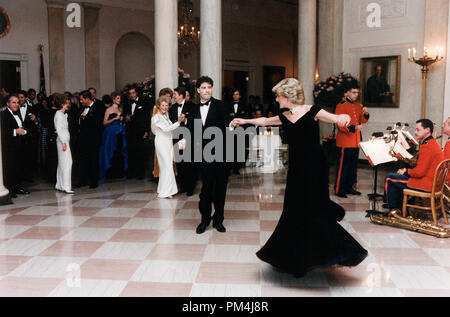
pixel 13 135
pixel 238 109
pixel 138 117
pixel 186 170
pixel 91 128
pixel 30 142
pixel 210 113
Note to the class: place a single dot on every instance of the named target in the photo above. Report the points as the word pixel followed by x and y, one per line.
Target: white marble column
pixel 166 44
pixel 211 43
pixel 4 193
pixel 307 39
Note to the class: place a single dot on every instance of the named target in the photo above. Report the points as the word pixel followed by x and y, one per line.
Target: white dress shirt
pixel 23 111
pixel 204 111
pixel 236 106
pixel 133 106
pixel 180 109
pixel 18 120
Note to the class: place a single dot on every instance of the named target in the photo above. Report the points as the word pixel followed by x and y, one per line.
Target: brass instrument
pixel 394 219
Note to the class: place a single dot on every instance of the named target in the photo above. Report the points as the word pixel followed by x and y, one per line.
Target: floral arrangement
pixel 330 91
pixel 184 80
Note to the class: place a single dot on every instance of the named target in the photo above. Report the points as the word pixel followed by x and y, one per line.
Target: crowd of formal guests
pixel 76 139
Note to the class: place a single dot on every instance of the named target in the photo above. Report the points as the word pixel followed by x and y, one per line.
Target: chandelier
pixel 188 34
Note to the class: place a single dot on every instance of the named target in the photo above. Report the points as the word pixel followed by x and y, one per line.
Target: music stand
pixel 374 196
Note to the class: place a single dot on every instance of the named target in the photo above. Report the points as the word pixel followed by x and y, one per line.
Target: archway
pixel 134 59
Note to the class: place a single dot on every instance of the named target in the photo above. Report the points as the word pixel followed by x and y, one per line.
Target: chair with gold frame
pixel 437 192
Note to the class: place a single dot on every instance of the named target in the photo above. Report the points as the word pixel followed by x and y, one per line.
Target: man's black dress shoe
pixel 353 192
pixel 202 227
pixel 219 227
pixel 342 195
pixel 22 192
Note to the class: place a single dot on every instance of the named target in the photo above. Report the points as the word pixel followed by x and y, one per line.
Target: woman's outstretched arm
pixel 261 122
pixel 341 120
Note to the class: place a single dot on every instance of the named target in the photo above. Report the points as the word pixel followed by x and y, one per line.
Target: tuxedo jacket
pixel 218 116
pixel 140 122
pixel 8 125
pixel 242 111
pixel 91 126
pixel 173 114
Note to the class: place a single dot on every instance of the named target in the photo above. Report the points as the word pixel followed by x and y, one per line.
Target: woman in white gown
pixel 64 171
pixel 162 128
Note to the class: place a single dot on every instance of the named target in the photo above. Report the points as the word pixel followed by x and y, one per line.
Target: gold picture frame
pixel 5 22
pixel 380 81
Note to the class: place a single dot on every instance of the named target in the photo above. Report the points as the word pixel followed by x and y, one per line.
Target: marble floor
pixel 120 240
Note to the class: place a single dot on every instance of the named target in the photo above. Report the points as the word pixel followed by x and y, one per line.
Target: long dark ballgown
pixel 308 234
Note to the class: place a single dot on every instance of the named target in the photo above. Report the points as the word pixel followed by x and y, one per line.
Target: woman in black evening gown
pixel 308 234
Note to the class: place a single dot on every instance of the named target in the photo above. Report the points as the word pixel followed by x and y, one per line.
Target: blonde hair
pixel 163 99
pixel 291 89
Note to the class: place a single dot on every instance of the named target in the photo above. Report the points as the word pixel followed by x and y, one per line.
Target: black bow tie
pixel 205 104
pixel 23 106
pixel 178 105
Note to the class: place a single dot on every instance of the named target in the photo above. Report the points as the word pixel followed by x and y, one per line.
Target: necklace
pixel 294 110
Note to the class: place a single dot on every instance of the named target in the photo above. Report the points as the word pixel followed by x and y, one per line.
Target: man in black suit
pixel 137 113
pixel 29 146
pixel 238 109
pixel 214 174
pixel 91 128
pixel 13 134
pixel 186 170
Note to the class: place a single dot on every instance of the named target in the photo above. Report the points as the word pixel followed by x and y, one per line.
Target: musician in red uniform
pixel 446 131
pixel 418 178
pixel 347 141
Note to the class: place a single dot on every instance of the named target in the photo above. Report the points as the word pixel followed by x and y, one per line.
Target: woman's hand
pixel 182 118
pixel 237 122
pixel 343 120
pixel 64 146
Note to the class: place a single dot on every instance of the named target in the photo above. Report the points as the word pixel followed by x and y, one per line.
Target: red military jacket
pixel 430 155
pixel 349 137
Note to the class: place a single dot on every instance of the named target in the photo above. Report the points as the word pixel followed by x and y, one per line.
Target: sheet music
pixel 408 135
pixel 402 139
pixel 401 150
pixel 377 151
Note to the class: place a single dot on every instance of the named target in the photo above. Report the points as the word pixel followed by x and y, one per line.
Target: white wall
pixel 74 51
pixel 28 30
pixel 402 26
pixel 114 23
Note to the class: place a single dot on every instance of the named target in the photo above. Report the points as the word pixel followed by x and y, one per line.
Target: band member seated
pixel 420 177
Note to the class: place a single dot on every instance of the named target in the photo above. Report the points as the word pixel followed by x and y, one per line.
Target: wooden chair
pixel 437 192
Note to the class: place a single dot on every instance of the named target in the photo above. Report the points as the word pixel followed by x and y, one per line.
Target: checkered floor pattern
pixel 120 240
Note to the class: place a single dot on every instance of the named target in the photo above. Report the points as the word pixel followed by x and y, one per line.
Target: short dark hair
pixel 350 85
pixel 181 91
pixel 92 89
pixel 22 92
pixel 107 100
pixel 426 124
pixel 31 90
pixel 204 79
pixel 86 94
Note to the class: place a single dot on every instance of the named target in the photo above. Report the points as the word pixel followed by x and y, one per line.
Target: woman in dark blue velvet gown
pixel 308 234
pixel 113 154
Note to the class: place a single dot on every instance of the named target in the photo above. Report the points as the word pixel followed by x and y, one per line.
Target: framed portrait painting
pixel 380 81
